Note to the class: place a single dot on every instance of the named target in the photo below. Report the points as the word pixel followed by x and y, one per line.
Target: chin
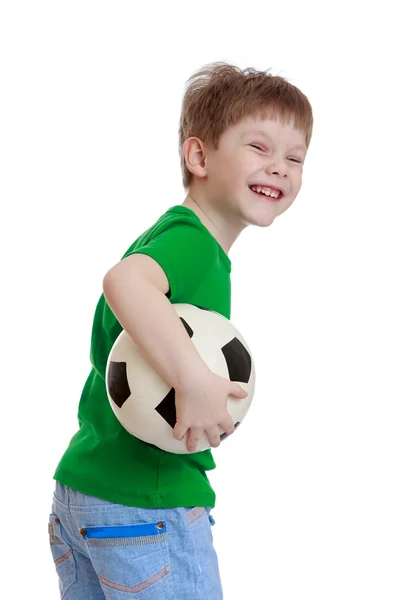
pixel 261 220
pixel 265 222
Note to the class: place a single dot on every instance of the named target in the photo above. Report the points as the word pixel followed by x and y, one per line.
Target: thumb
pixel 237 391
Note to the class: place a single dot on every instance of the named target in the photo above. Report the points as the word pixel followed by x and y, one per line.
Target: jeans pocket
pixel 195 512
pixel 131 560
pixel 62 555
pixel 209 582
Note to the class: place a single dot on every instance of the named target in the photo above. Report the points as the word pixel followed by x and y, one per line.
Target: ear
pixel 195 158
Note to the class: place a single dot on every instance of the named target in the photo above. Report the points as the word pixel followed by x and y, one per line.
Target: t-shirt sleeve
pixel 185 252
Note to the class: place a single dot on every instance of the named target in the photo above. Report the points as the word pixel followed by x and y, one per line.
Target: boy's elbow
pixel 108 280
pixel 111 282
pixel 106 283
pixel 122 278
pixel 137 269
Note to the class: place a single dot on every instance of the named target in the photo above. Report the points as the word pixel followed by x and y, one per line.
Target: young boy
pixel 128 519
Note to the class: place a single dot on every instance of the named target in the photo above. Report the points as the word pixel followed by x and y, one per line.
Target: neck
pixel 224 227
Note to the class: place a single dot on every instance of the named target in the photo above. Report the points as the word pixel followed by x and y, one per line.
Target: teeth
pixel 266 191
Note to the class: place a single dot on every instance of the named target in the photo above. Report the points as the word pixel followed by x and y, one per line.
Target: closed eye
pixel 261 149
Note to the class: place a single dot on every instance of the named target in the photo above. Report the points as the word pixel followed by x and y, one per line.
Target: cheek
pixel 243 169
pixel 231 173
pixel 299 179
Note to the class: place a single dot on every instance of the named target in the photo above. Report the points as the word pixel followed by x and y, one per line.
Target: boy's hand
pixel 201 406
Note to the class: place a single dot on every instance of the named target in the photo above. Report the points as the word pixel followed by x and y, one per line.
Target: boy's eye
pixel 263 149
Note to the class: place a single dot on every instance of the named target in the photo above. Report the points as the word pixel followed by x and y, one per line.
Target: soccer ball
pixel 145 404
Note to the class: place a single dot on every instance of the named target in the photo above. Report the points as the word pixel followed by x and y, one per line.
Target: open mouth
pixel 268 192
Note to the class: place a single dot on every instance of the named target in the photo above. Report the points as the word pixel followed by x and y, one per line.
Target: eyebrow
pixel 265 135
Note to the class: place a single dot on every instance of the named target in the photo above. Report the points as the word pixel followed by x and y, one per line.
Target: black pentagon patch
pixel 117 383
pixel 238 361
pixel 225 435
pixel 187 327
pixel 167 409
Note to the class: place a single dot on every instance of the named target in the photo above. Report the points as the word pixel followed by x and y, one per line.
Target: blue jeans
pixel 109 551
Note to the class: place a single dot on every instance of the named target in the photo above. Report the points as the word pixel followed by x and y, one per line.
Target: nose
pixel 277 167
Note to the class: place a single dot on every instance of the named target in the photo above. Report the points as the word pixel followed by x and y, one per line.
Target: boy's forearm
pixel 148 317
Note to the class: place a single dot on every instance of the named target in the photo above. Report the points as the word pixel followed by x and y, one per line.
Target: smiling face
pixel 253 155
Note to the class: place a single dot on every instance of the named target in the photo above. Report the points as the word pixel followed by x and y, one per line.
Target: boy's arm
pixel 135 290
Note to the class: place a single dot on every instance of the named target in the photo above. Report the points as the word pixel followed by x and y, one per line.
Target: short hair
pixel 220 94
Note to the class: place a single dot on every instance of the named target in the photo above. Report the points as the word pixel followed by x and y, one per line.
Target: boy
pixel 128 519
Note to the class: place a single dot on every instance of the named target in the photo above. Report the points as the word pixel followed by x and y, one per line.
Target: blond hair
pixel 219 95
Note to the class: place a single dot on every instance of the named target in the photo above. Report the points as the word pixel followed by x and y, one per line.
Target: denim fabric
pixel 109 551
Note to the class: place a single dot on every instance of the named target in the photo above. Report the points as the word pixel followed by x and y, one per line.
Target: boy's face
pixel 253 154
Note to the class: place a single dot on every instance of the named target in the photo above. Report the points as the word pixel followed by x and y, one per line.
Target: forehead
pixel 271 129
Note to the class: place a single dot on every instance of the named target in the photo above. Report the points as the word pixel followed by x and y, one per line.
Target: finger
pixel 193 439
pixel 237 391
pixel 179 431
pixel 227 425
pixel 214 436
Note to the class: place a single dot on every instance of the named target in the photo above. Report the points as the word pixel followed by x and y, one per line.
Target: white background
pixel 308 492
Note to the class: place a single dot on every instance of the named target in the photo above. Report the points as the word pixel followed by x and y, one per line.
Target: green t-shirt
pixel 103 459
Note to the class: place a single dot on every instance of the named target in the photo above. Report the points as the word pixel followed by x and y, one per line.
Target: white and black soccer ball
pixel 145 404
